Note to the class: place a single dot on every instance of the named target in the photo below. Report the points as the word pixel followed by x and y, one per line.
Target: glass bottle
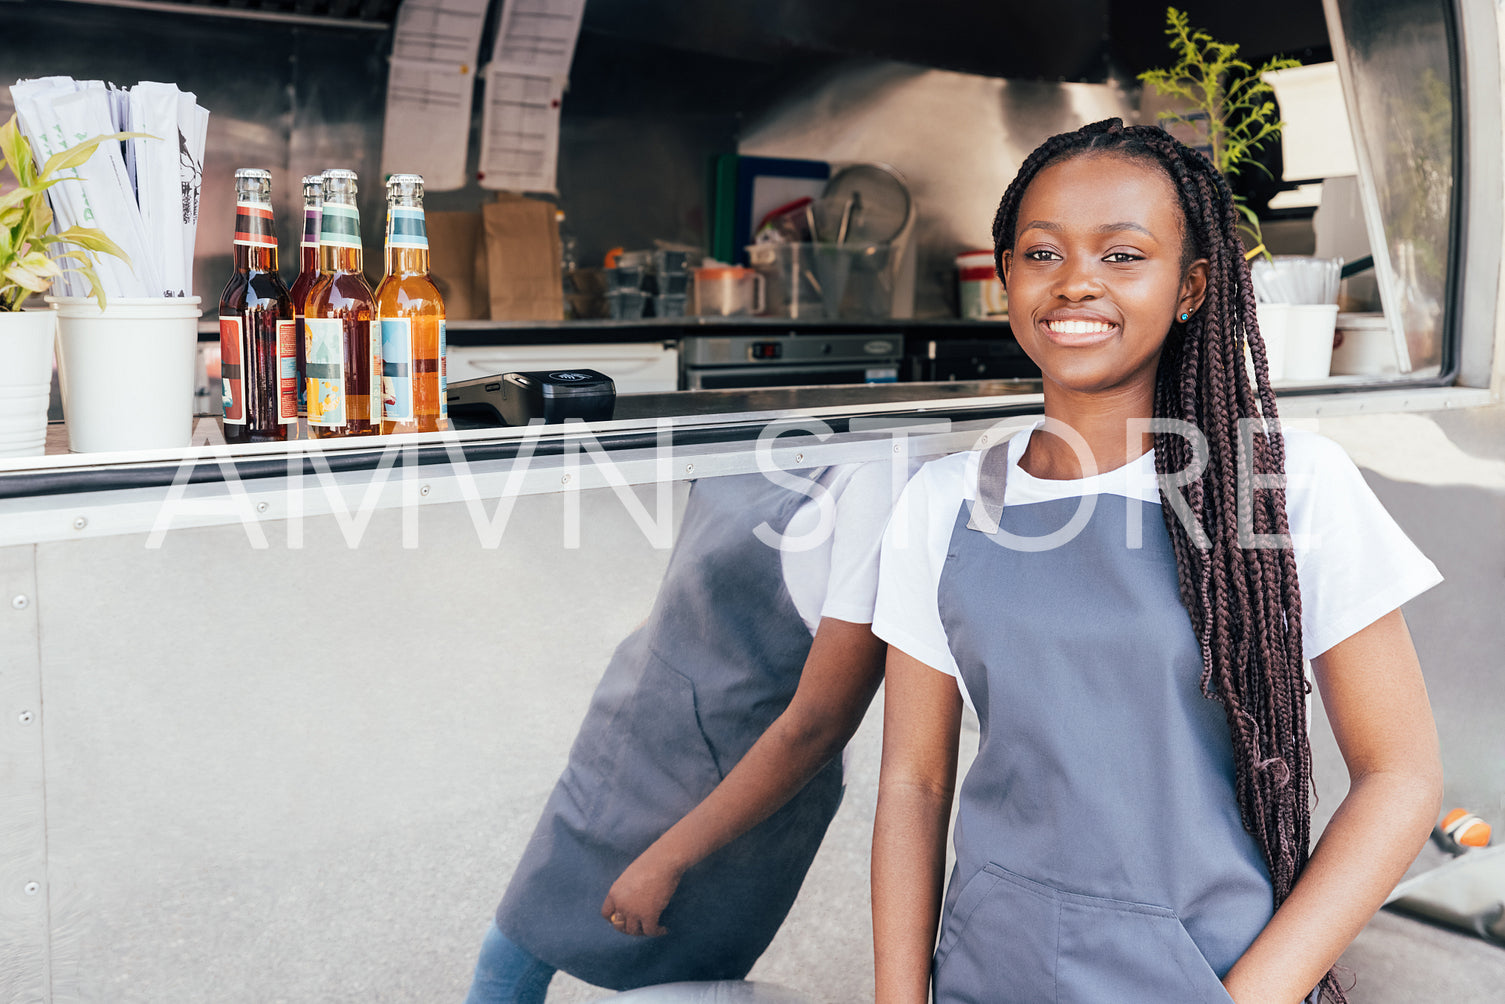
pixel 308 272
pixel 343 354
pixel 410 312
pixel 257 333
pixel 569 262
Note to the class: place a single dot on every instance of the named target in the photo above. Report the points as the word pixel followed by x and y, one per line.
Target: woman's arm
pixel 1374 696
pixel 921 724
pixel 837 684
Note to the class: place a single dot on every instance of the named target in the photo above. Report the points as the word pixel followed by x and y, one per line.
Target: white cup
pixel 1298 339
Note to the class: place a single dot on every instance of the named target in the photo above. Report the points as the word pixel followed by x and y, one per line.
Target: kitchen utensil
pixel 863 204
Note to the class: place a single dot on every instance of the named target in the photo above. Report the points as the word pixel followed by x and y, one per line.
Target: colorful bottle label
pixel 340 225
pixel 397 369
pixel 312 221
pixel 405 228
pixel 287 372
pixel 253 225
pixel 325 368
pixel 232 371
pixel 443 373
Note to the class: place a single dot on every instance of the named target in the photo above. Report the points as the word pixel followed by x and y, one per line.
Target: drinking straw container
pixel 127 372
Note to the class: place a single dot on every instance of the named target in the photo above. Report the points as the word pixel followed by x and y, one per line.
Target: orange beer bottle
pixel 410 312
pixel 308 272
pixel 344 356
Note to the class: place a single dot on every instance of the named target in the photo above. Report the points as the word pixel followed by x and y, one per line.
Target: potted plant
pixel 30 259
pixel 1230 111
pixel 1223 100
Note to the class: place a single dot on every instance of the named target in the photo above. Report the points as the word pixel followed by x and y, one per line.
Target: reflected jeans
pixel 507 973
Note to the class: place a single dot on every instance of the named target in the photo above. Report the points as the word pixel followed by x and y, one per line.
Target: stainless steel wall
pixel 639 126
pixel 291 98
pixel 301 773
pixel 957 138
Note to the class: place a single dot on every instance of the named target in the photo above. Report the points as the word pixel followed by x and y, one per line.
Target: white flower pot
pixel 25 380
pixel 127 373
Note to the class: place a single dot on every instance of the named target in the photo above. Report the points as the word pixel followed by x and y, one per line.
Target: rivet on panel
pixel 565 480
pixel 25 717
pixel 261 507
pixel 799 458
pixel 80 522
pixel 689 468
pixel 424 490
pixel 20 602
pixel 32 888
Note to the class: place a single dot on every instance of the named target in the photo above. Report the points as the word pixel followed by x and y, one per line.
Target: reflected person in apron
pixel 1126 605
pixel 663 818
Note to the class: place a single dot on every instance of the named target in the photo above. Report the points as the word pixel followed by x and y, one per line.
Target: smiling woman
pixel 1096 665
pixel 1077 284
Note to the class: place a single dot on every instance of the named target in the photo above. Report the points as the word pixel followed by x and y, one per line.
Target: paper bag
pixel 523 259
pixel 457 264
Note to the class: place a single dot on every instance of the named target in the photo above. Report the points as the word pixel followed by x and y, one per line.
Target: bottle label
pixel 312 217
pixel 405 228
pixel 287 372
pixel 253 225
pixel 340 225
pixel 326 370
pixel 232 372
pixel 397 369
pixel 443 373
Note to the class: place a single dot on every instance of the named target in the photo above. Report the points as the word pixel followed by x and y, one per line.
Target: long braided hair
pixel 1243 600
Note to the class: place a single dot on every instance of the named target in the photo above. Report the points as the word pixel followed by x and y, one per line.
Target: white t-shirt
pixel 1353 563
pixel 838 575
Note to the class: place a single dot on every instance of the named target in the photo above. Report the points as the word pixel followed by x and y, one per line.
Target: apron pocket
pixel 663 767
pixel 998 941
pixel 1116 950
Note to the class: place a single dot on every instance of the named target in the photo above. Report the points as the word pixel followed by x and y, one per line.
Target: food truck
pixel 277 717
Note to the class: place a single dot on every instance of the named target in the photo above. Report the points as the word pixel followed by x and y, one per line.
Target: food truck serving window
pixel 1399 63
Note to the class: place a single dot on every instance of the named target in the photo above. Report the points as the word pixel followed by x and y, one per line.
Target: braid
pixel 1244 601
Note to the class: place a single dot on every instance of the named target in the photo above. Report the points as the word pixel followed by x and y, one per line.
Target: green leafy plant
pixel 30 257
pixel 1223 98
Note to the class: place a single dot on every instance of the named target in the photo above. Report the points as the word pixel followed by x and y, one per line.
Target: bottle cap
pixel 344 181
pixel 405 186
pixel 253 172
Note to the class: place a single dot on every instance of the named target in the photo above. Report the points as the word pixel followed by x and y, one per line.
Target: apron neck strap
pixel 992 478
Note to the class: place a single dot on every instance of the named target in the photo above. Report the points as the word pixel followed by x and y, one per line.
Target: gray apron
pixel 683 699
pixel 1099 851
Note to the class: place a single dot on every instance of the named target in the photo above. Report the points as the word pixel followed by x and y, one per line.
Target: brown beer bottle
pixel 308 271
pixel 410 312
pixel 258 351
pixel 343 352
